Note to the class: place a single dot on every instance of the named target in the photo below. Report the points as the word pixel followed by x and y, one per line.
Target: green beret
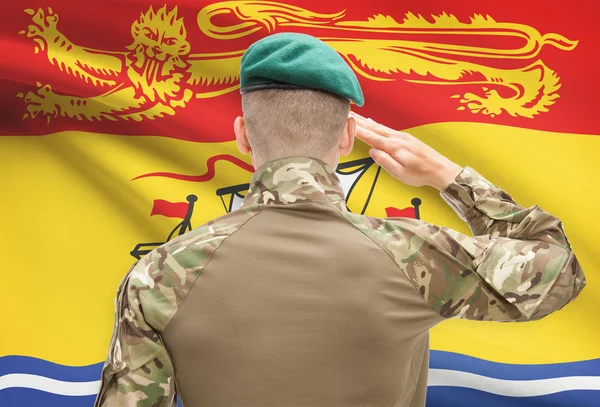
pixel 296 61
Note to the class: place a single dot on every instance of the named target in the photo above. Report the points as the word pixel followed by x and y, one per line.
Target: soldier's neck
pixel 332 158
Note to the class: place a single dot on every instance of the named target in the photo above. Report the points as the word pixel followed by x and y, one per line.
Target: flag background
pixel 77 194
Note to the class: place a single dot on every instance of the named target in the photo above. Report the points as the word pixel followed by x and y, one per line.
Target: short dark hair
pixel 293 122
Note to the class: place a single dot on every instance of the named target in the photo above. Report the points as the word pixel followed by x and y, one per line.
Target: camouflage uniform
pixel 324 306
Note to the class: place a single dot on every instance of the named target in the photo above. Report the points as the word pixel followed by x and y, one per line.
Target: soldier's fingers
pixel 387 162
pixel 359 117
pixel 371 124
pixel 372 138
pixel 375 126
pixel 389 144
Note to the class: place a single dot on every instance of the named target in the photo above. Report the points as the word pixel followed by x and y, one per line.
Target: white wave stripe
pixel 30 381
pixel 437 377
pixel 511 388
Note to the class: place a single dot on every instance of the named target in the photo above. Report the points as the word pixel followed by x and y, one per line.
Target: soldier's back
pixel 299 307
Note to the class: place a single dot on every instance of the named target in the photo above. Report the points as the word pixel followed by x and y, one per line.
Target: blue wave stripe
pixel 455 361
pixel 439 360
pixel 463 397
pixel 439 396
pixel 436 397
pixel 18 397
pixel 40 367
pixel 29 398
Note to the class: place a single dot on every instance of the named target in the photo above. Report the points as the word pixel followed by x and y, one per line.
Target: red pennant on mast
pixel 169 209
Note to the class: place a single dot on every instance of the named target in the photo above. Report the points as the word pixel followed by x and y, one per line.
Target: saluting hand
pixel 405 157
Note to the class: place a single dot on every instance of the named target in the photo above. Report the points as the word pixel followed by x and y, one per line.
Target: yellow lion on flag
pixel 156 75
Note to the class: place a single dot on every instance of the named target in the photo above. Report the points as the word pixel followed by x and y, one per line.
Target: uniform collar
pixel 295 179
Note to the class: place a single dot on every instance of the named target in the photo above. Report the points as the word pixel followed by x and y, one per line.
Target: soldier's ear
pixel 241 138
pixel 347 139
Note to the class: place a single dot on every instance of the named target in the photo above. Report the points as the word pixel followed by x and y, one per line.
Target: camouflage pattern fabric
pixel 295 179
pixel 518 266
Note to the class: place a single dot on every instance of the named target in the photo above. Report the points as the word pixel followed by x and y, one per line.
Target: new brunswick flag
pixel 116 136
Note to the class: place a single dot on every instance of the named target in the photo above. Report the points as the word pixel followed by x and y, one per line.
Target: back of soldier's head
pixel 288 122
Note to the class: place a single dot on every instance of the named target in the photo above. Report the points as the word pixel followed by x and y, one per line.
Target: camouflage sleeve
pixel 518 266
pixel 488 210
pixel 138 370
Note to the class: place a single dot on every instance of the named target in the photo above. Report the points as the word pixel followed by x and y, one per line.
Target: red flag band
pixel 479 62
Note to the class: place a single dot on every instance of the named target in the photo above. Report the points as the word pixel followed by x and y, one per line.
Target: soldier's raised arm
pixel 138 370
pixel 519 264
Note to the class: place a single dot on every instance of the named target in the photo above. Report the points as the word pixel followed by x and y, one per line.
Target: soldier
pixel 293 299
